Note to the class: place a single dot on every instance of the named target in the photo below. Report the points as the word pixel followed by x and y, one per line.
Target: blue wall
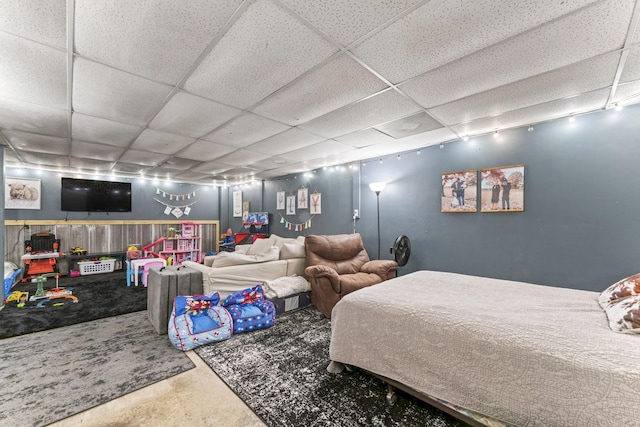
pixel 578 229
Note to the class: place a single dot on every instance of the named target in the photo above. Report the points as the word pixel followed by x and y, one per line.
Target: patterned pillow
pixel 624 288
pixel 621 303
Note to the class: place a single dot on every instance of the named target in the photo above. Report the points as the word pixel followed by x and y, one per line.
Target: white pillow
pixel 225 259
pixel 260 246
pixel 292 250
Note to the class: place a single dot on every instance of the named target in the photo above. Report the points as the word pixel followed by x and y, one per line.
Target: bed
pixel 496 351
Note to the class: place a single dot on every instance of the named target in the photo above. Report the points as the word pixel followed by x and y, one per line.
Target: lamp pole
pixel 377 188
pixel 378 204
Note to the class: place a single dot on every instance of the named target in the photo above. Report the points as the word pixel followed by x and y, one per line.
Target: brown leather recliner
pixel 339 264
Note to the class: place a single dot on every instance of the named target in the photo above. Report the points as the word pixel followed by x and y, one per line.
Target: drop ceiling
pixel 225 91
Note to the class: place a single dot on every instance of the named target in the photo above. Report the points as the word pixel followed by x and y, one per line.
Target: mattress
pixel 523 354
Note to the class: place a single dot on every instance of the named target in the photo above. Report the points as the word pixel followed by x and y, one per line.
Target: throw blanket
pixel 283 287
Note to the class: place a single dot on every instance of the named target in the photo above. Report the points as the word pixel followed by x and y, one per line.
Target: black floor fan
pixel 401 250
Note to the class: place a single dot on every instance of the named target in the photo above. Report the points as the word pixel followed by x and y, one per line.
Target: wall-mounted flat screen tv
pixel 88 195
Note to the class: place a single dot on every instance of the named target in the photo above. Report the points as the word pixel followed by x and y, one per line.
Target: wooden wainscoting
pixel 99 236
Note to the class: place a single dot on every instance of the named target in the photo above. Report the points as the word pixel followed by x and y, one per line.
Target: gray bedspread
pixel 527 355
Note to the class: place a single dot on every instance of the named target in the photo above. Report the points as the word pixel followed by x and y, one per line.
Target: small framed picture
pixel 502 189
pixel 22 193
pixel 280 197
pixel 303 198
pixel 459 191
pixel 291 205
pixel 316 204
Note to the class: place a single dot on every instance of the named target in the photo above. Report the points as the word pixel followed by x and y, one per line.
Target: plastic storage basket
pixel 97 267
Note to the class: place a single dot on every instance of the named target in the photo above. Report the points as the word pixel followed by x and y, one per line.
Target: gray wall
pixel 578 229
pixel 143 205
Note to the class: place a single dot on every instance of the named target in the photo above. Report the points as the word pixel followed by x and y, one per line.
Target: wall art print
pixel 316 204
pixel 502 189
pixel 459 191
pixel 237 204
pixel 22 193
pixel 303 198
pixel 291 205
pixel 280 198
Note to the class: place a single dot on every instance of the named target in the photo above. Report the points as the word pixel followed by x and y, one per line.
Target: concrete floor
pixel 195 397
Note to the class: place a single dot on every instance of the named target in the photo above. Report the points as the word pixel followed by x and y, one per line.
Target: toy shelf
pixel 187 246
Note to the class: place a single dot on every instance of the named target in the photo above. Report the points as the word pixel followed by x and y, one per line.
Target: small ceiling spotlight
pixel 418 152
pixel 364 164
pixel 398 156
pixel 618 107
pixel 380 161
pixel 530 128
pixel 496 134
pixel 441 145
pixel 465 138
pixel 572 118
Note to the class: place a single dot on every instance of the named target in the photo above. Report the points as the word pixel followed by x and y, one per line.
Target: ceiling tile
pixel 161 142
pixel 40 159
pixel 245 130
pixel 242 158
pixel 33 118
pixel 129 168
pixel 264 50
pixel 194 176
pixel 94 129
pixel 627 93
pixel 348 20
pixel 32 72
pixel 211 168
pixel 631 69
pixel 582 35
pixel 537 113
pixel 442 31
pixel 270 163
pixel 241 172
pixel 158 39
pixel 413 142
pixel 317 151
pixel 179 163
pixel 45 22
pixel 91 164
pixel 23 141
pixel 96 151
pixel 364 138
pixel 585 76
pixel 339 82
pixel 143 158
pixel 205 151
pixel 383 107
pixel 407 126
pixel 106 92
pixel 289 140
pixel 191 115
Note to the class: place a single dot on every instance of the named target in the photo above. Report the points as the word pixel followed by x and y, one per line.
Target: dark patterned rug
pixel 51 375
pixel 99 296
pixel 281 374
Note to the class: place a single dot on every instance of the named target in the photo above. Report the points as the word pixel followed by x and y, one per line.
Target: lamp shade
pixel 377 187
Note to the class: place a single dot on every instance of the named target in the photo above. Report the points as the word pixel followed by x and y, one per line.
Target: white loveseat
pixel 251 265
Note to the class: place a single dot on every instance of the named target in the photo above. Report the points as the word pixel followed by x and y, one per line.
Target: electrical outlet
pixel 356 213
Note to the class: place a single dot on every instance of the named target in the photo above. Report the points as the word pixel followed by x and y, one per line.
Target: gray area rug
pixel 281 374
pixel 51 375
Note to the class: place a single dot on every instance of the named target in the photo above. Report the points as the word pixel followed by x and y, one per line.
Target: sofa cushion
pixel 260 246
pixel 225 259
pixel 292 250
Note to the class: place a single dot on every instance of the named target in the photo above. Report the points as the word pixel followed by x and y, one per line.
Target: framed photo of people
pixel 459 191
pixel 502 189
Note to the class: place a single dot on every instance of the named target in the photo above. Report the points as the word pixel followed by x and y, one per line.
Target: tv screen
pixel 87 195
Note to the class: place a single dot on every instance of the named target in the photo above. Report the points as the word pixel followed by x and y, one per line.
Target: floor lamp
pixel 377 187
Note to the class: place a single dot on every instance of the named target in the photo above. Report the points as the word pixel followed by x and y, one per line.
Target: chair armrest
pixel 315 272
pixel 386 269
